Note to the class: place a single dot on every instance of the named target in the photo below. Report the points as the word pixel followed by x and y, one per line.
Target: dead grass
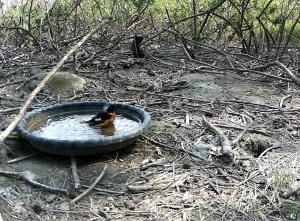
pixel 183 187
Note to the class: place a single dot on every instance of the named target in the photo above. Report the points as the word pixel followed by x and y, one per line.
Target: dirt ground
pixel 177 185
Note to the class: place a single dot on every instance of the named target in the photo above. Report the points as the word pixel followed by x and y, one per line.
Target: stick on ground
pixel 85 193
pixel 75 173
pixel 28 177
pixel 288 72
pixel 225 144
pixel 16 160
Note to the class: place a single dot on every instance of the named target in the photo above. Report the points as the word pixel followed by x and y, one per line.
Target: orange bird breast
pixel 108 121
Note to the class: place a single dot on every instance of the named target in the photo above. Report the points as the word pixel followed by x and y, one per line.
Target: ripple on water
pixel 70 128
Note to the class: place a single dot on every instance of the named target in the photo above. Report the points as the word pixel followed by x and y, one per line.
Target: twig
pixel 223 173
pixel 173 148
pixel 99 190
pixel 239 70
pixel 214 101
pixel 288 72
pixel 75 173
pixel 186 49
pixel 225 144
pixel 4 149
pixel 275 146
pixel 21 158
pixel 239 137
pixel 139 189
pixel 213 8
pixel 85 193
pixel 283 99
pixel 158 163
pixel 28 177
pixel 10 83
pixel 187 118
pixel 41 85
pixel 295 22
pixel 252 175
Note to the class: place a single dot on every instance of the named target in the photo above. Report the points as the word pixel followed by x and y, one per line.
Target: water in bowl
pixel 70 127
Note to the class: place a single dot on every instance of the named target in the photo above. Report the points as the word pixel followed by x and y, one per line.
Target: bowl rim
pixel 29 136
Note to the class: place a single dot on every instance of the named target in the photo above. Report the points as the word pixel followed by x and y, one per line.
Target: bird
pixel 104 118
pixel 136 50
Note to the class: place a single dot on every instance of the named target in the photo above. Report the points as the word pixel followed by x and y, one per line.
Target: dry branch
pixel 16 160
pixel 41 85
pixel 239 137
pixel 225 144
pixel 105 191
pixel 173 148
pixel 28 177
pixel 85 193
pixel 213 8
pixel 283 99
pixel 75 173
pixel 139 189
pixel 275 146
pixel 288 72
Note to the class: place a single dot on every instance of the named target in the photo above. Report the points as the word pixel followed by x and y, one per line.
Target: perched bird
pixel 136 50
pixel 104 118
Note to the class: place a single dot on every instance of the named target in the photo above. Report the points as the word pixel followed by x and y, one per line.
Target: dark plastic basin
pixel 97 145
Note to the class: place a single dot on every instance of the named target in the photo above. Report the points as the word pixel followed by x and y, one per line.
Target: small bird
pixel 104 118
pixel 136 50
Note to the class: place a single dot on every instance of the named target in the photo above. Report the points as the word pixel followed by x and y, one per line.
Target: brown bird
pixel 104 118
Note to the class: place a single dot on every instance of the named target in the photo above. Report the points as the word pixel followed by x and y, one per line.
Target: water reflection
pixel 108 131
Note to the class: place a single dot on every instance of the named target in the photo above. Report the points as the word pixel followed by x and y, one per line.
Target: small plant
pixel 281 181
pixel 256 207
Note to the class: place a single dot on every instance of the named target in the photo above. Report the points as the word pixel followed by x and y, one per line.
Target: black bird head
pixel 110 108
pixel 138 39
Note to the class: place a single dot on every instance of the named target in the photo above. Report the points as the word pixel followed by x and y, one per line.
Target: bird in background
pixel 104 118
pixel 136 48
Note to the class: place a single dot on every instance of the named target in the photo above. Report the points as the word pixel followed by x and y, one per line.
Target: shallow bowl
pixel 97 145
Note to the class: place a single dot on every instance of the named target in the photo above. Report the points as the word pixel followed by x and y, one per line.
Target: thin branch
pixel 173 148
pixel 75 173
pixel 296 21
pixel 239 137
pixel 288 72
pixel 16 160
pixel 225 144
pixel 139 189
pixel 213 8
pixel 105 191
pixel 275 146
pixel 85 193
pixel 28 177
pixel 283 99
